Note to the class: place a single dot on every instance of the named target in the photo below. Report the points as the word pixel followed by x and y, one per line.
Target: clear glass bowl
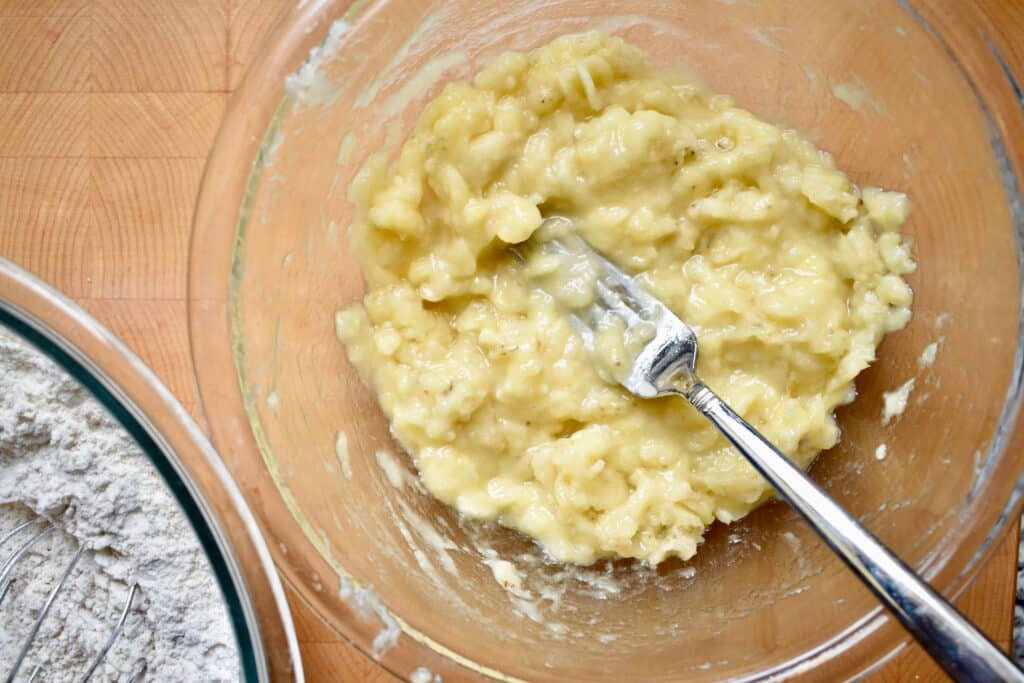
pixel 908 96
pixel 172 441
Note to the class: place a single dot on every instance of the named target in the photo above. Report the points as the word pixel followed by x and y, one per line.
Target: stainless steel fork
pixel 664 364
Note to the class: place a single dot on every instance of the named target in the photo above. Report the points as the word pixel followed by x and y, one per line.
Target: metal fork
pixel 664 364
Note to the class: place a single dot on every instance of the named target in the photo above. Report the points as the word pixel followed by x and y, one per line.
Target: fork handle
pixel 952 641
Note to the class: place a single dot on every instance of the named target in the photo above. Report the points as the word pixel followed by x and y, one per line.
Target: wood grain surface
pixel 107 111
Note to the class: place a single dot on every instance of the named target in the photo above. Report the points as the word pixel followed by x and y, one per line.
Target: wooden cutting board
pixel 107 111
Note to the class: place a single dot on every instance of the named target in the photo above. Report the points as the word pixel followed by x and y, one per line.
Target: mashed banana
pixel 789 274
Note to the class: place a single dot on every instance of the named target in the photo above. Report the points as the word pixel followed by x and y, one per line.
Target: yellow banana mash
pixel 789 274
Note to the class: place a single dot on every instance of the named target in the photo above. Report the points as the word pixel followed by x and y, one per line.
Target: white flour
pixel 63 456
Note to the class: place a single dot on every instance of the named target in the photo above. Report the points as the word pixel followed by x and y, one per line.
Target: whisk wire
pixel 8 566
pixel 50 599
pixel 18 529
pixel 113 633
pixel 137 674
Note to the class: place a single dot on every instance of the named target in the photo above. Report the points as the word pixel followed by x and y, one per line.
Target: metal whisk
pixel 39 529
